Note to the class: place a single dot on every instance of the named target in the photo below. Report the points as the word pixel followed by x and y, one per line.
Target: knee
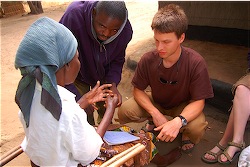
pixel 121 112
pixel 241 89
pixel 196 128
pixel 130 111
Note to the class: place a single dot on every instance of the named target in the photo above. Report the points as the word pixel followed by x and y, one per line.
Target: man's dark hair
pixel 115 9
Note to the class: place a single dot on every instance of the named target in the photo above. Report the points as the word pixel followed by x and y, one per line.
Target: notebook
pixel 118 137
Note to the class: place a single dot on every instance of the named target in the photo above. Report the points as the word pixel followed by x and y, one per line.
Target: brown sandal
pixel 215 155
pixel 145 127
pixel 236 154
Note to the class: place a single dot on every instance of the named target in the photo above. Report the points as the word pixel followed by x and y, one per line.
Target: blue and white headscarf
pixel 46 47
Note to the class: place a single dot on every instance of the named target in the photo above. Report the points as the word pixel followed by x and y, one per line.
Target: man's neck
pixel 171 60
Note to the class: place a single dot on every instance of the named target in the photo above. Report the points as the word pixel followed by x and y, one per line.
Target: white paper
pixel 118 137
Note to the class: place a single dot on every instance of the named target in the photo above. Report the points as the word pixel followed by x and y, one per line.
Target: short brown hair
pixel 170 18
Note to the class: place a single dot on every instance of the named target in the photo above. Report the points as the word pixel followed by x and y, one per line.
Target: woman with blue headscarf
pixel 56 129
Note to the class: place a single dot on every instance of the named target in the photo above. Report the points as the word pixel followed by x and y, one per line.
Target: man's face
pixel 167 43
pixel 105 26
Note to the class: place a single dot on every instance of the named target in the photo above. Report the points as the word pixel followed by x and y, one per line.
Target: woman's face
pixel 72 69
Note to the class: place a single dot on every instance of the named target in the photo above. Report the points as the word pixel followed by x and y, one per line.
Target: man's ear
pixel 181 39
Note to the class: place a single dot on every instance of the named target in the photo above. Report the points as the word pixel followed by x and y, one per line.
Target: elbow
pixel 136 92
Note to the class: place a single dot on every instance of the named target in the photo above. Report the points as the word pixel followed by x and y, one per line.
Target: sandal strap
pixel 144 129
pixel 150 122
pixel 229 158
pixel 241 146
pixel 220 147
pixel 215 155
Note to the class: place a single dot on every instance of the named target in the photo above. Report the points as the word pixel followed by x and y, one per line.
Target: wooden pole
pixel 125 158
pixel 10 155
pixel 125 155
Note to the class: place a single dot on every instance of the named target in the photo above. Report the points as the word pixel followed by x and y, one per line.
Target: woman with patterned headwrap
pixel 56 129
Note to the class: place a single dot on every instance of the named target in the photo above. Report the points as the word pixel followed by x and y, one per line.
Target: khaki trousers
pixel 130 111
pixel 244 80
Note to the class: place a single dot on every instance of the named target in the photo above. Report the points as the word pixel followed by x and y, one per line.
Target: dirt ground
pixel 140 14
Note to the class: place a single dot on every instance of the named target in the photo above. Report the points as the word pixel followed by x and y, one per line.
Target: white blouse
pixel 67 142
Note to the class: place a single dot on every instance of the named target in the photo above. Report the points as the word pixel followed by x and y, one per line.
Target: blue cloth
pixel 46 47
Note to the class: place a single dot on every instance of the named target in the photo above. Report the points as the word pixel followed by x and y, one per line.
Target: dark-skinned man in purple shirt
pixel 103 32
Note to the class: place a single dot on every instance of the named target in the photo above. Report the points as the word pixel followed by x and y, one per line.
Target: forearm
pixel 143 100
pixel 193 110
pixel 113 86
pixel 116 91
pixel 83 101
pixel 107 118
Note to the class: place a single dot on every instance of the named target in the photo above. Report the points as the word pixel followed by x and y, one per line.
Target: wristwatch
pixel 183 120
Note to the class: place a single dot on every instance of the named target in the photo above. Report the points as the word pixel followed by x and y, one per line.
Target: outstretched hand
pixel 96 94
pixel 115 91
pixel 99 93
pixel 112 101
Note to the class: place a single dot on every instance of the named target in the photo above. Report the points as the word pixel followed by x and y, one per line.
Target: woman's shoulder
pixel 68 100
pixel 65 94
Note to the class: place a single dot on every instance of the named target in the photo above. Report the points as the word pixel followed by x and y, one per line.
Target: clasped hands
pixel 96 94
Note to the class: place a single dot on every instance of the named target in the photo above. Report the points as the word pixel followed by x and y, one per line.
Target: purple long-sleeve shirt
pixel 99 61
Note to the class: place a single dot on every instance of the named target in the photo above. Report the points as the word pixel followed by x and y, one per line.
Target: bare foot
pixel 231 150
pixel 187 144
pixel 216 150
